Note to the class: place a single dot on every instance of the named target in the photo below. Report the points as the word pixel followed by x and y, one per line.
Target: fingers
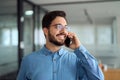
pixel 71 35
pixel 75 41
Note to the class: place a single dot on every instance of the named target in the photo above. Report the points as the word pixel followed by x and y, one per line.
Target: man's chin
pixel 59 44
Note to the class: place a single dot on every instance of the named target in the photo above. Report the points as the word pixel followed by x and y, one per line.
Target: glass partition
pixel 28 28
pixel 39 36
pixel 8 37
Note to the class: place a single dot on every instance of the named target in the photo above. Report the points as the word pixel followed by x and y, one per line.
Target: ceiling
pixel 78 11
pixel 84 11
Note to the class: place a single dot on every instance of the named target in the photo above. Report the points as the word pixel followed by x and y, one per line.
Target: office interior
pixel 96 23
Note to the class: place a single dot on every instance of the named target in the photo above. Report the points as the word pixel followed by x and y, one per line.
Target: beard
pixel 53 40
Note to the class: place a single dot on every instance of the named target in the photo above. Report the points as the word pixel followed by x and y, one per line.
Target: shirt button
pixel 81 61
pixel 54 72
pixel 54 59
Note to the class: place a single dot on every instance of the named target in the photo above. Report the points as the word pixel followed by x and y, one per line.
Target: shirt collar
pixel 46 51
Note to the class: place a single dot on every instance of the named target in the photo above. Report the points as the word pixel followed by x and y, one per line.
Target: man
pixel 52 62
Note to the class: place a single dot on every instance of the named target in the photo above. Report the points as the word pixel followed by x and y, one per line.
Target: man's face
pixel 57 34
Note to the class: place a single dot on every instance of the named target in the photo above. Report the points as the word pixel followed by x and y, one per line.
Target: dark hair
pixel 49 17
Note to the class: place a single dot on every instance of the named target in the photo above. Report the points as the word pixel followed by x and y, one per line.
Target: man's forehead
pixel 59 20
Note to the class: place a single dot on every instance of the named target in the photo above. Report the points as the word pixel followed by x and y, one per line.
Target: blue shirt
pixel 60 65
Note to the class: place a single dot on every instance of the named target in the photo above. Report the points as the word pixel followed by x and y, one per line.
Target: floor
pixel 9 76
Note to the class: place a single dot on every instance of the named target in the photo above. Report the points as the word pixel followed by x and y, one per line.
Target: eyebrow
pixel 59 24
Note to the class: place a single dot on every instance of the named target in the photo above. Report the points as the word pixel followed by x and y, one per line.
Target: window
pixel 39 37
pixel 9 37
pixel 104 35
pixel 5 37
pixel 14 37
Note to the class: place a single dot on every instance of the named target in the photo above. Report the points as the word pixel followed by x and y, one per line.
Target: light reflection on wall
pixel 39 37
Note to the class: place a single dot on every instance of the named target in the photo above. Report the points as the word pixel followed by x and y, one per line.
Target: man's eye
pixel 59 26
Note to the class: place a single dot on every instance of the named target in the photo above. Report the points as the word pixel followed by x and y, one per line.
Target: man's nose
pixel 64 30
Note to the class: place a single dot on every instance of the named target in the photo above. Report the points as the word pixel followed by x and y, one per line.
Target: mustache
pixel 61 34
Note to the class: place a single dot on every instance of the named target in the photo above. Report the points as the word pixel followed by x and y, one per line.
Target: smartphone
pixel 67 42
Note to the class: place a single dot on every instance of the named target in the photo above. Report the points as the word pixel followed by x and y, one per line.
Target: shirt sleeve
pixel 22 74
pixel 87 65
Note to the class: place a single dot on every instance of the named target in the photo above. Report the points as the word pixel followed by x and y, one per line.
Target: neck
pixel 52 47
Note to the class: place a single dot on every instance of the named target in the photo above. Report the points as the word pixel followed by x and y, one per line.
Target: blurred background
pixel 96 22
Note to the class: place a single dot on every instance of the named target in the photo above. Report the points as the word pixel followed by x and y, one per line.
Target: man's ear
pixel 45 30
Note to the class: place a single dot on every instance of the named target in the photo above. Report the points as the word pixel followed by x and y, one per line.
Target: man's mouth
pixel 61 36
